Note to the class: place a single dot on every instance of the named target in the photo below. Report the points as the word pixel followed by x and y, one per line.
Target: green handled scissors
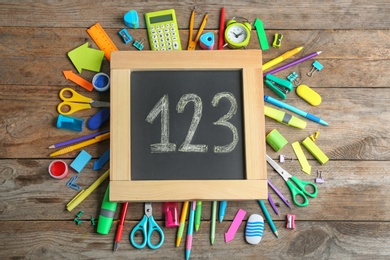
pixel 299 189
pixel 147 226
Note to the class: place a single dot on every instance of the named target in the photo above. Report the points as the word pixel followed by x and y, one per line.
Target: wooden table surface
pixel 350 217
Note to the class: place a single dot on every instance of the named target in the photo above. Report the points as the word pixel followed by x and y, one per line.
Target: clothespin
pixel 280 86
pixel 316 67
pixel 277 40
pixel 294 78
pixel 319 178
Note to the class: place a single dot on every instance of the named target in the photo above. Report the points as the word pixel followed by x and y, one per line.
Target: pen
pixel 85 193
pixel 288 65
pixel 222 209
pixel 198 214
pixel 76 140
pixel 284 118
pixel 71 148
pixel 107 212
pixel 281 58
pixel 183 216
pixel 268 217
pixel 221 29
pixel 281 104
pixel 190 229
pixel 213 220
pixel 121 224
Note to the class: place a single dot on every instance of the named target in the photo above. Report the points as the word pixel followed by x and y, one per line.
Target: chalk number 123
pixel 162 107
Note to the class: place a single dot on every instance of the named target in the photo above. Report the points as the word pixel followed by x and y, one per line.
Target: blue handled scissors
pixel 299 189
pixel 76 102
pixel 147 226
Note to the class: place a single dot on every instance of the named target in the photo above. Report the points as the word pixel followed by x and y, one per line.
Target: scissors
pixel 77 102
pixel 147 226
pixel 299 189
pixel 192 43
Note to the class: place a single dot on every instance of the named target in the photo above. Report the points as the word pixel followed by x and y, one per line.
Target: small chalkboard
pixel 186 126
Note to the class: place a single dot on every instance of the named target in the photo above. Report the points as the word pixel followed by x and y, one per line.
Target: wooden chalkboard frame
pixel 122 188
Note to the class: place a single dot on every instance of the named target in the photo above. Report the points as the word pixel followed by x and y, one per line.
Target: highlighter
pixel 284 118
pixel 107 213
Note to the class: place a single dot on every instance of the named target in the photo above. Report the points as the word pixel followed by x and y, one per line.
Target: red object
pixel 58 169
pixel 171 217
pixel 290 221
pixel 121 224
pixel 221 29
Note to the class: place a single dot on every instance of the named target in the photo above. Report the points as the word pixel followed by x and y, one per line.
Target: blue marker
pixel 222 209
pixel 281 104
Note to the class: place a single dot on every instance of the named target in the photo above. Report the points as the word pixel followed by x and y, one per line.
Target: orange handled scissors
pixel 77 102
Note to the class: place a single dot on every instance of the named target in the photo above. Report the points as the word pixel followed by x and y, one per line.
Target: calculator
pixel 163 31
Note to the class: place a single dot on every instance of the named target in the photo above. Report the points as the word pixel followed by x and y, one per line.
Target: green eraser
pixel 315 150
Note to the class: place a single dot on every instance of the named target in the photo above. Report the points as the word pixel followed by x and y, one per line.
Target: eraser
pixel 98 119
pixel 70 123
pixel 131 19
pixel 81 160
pixel 309 95
pixel 254 229
pixel 315 150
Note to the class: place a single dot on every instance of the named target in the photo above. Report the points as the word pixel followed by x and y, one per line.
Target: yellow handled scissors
pixel 192 43
pixel 77 102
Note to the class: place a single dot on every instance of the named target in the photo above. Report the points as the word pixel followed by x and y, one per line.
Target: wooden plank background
pixel 348 220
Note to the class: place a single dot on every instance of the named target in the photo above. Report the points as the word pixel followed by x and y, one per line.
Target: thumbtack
pixel 316 67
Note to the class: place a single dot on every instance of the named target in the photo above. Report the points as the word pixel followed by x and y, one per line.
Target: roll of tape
pixel 276 140
pixel 58 169
pixel 101 81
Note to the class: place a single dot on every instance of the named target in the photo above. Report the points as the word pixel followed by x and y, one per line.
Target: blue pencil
pixel 222 209
pixel 268 217
pixel 190 230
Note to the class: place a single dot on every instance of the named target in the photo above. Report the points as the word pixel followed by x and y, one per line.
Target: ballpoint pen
pixel 182 223
pixel 190 230
pixel 121 224
pixel 281 58
pixel 198 214
pixel 281 104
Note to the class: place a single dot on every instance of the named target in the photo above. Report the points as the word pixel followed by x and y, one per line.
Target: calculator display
pixel 160 19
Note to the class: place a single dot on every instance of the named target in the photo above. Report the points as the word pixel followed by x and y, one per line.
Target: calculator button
pixel 151 27
pixel 162 26
pixel 154 36
pixel 176 45
pixel 163 49
pixel 174 38
pixel 157 27
pixel 172 24
pixel 166 30
pixel 169 48
pixel 156 47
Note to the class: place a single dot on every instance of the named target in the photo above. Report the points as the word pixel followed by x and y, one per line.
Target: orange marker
pixel 78 80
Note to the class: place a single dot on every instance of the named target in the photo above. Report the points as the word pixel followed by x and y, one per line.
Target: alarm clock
pixel 237 34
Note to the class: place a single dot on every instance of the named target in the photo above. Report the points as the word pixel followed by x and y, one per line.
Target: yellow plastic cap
pixel 309 95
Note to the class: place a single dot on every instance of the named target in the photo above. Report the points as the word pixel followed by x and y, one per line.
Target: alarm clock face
pixel 237 33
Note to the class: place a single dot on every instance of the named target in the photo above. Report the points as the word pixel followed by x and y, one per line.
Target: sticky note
pixel 315 150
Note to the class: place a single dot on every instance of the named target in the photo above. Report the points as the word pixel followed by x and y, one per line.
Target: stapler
pixel 280 86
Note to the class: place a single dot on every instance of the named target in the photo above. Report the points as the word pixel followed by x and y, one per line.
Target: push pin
pixel 78 221
pixel 316 67
pixel 277 40
pixel 294 78
pixel 93 222
pixel 319 178
pixel 138 44
pixel 290 221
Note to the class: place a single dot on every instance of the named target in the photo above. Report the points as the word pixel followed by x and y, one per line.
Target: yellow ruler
pixel 102 40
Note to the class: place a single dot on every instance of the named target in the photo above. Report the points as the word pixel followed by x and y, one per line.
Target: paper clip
pixel 316 67
pixel 125 36
pixel 290 221
pixel 294 78
pixel 319 178
pixel 280 86
pixel 277 40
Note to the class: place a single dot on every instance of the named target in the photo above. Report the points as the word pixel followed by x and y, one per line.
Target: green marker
pixel 198 214
pixel 107 213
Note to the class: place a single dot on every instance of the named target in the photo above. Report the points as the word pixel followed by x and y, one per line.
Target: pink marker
pixel 229 235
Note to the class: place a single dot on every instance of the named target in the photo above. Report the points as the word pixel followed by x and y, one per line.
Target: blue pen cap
pixel 70 123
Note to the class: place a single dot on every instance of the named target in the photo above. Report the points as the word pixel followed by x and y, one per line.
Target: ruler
pixel 102 40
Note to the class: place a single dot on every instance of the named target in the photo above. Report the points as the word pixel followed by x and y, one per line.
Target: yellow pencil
pixel 183 216
pixel 85 193
pixel 71 148
pixel 281 58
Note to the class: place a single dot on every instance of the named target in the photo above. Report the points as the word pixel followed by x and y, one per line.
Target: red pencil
pixel 221 29
pixel 121 224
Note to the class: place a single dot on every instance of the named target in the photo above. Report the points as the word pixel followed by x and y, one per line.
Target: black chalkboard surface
pixel 158 94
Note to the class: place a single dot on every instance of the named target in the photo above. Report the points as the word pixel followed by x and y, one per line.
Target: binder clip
pixel 138 45
pixel 316 67
pixel 280 86
pixel 277 40
pixel 319 179
pixel 294 78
